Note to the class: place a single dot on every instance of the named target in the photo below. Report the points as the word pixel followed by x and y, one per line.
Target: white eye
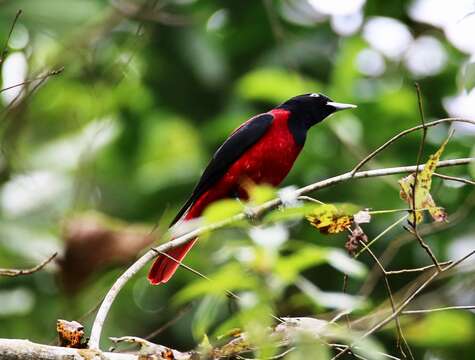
pixel 314 95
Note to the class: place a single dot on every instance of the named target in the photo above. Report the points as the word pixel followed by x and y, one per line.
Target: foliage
pixel 149 91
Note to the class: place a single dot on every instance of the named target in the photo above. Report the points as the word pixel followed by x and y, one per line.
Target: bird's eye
pixel 314 95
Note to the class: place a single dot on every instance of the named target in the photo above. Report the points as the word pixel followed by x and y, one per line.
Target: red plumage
pixel 268 161
pixel 262 150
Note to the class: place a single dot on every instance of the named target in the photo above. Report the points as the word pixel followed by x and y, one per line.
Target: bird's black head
pixel 309 109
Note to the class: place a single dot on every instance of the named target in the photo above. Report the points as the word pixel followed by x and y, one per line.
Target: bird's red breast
pixel 268 161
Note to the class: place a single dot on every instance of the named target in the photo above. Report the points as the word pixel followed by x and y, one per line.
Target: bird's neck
pixel 298 122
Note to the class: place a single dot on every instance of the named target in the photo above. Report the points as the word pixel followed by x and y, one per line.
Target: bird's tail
pixel 165 266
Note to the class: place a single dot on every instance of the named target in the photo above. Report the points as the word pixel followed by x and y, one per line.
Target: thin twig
pixel 406 302
pixel 19 272
pixel 4 52
pixel 400 335
pixel 28 81
pixel 404 133
pixel 169 323
pixel 454 178
pixel 196 272
pixel 426 229
pixel 381 234
pixel 340 346
pixel 424 245
pixel 425 311
pixel 413 270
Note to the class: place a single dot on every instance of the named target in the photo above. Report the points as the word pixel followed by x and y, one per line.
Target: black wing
pixel 235 145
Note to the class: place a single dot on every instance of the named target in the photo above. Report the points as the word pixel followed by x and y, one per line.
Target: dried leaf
pixel 70 334
pixel 423 198
pixel 356 237
pixel 437 213
pixel 329 219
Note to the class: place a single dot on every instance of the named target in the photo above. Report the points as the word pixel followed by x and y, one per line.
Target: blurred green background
pixel 94 157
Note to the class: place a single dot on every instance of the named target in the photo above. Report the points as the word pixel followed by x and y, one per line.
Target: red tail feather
pixel 163 268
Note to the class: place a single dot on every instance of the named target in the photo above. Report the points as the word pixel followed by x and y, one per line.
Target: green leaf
pixel 206 314
pixel 290 266
pixel 469 76
pixel 305 344
pixel 290 213
pixel 274 85
pixel 221 210
pixel 229 277
pixel 259 194
pixel 330 300
pixel 442 329
pixel 347 265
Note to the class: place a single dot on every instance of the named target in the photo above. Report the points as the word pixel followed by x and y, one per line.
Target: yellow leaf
pixel 407 184
pixel 329 220
pixel 423 199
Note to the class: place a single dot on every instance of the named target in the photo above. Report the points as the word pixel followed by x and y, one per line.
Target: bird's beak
pixel 340 106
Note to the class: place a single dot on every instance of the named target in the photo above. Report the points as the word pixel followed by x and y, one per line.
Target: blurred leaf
pixel 445 328
pixel 305 345
pixel 206 314
pixel 344 73
pixel 288 267
pixel 229 277
pixel 290 213
pixel 329 300
pixel 221 210
pixel 164 153
pixel 274 85
pixel 397 104
pixel 469 78
pixel 270 237
pixel 422 189
pixel 342 262
pixel 259 194
pixel 256 322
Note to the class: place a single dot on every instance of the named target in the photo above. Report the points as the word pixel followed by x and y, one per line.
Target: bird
pixel 262 151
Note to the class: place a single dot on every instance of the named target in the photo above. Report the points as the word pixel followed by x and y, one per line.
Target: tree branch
pixel 404 133
pixel 258 211
pixel 18 272
pixel 13 349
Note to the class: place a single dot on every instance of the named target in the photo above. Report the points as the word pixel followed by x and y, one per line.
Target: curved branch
pixel 257 211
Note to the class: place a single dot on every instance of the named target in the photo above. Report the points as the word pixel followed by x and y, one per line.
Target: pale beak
pixel 341 106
